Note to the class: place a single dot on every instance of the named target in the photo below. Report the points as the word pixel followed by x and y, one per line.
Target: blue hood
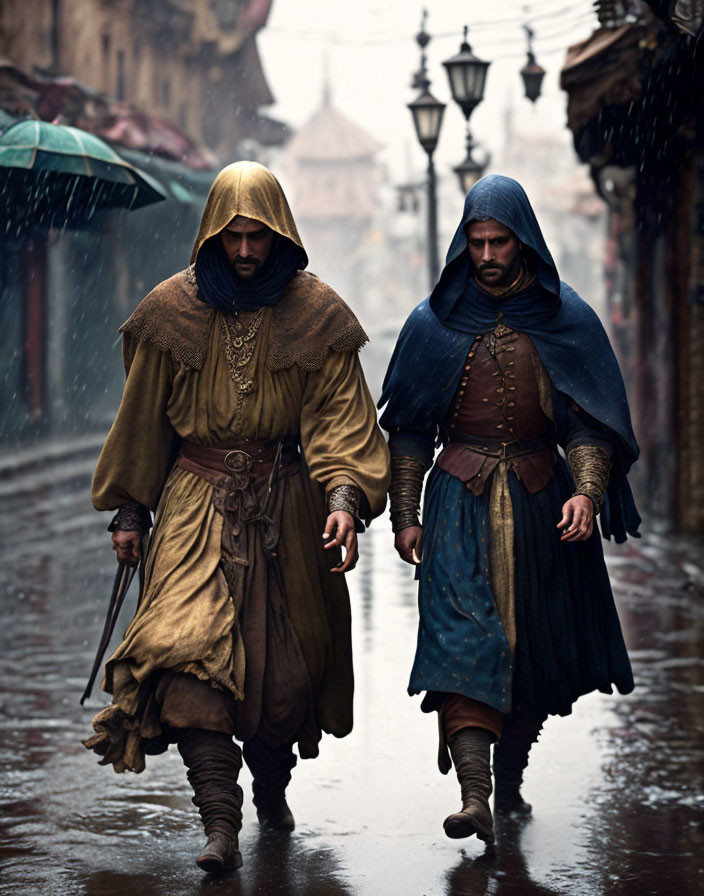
pixel 504 200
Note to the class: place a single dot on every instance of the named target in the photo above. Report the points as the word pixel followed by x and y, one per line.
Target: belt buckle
pixel 238 461
pixel 502 451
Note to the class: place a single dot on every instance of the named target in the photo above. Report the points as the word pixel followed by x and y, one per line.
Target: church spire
pixel 327 91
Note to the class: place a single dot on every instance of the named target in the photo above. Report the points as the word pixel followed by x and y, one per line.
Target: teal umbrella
pixel 57 176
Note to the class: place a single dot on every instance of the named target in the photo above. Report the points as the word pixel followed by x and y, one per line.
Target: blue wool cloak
pixel 426 365
pixel 569 638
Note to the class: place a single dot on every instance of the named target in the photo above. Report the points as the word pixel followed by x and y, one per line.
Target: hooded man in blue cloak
pixel 503 366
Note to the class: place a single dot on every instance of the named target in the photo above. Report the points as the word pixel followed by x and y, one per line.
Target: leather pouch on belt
pixel 535 470
pixel 468 466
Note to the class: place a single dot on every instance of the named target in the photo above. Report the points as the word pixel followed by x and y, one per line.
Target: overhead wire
pixel 501 47
pixel 538 37
pixel 527 15
pixel 564 13
pixel 539 40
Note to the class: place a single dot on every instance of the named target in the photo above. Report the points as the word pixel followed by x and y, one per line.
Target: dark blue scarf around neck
pixel 477 311
pixel 220 286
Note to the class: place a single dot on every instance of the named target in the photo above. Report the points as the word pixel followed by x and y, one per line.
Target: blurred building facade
pixel 176 88
pixel 194 63
pixel 334 179
pixel 347 216
pixel 635 112
pixel 571 214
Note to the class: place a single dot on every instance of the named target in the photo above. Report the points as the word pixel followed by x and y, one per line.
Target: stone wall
pixel 193 62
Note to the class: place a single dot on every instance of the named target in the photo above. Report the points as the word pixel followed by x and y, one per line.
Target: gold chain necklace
pixel 239 348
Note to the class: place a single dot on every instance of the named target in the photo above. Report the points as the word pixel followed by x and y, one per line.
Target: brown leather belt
pixel 493 446
pixel 255 457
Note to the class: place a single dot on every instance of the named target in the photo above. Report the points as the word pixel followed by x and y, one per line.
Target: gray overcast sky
pixel 370 51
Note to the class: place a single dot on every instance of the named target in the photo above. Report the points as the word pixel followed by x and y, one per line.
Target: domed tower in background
pixel 334 180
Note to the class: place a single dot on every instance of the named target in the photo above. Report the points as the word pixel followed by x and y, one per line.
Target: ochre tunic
pixel 187 620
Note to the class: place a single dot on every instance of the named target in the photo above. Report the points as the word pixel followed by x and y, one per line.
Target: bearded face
pixel 495 252
pixel 247 244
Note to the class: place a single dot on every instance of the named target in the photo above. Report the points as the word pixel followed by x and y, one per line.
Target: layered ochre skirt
pixel 260 619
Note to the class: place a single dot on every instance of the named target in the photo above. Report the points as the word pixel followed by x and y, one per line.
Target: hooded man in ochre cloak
pixel 247 428
pixel 501 365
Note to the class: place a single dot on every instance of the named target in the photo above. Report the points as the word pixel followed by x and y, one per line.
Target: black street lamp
pixel 532 73
pixel 467 76
pixel 427 117
pixel 471 169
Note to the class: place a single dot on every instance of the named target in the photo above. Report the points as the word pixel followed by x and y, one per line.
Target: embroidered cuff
pixel 590 467
pixel 344 497
pixel 131 518
pixel 407 474
pixel 348 498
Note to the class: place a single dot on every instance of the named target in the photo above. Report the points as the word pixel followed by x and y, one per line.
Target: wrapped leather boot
pixel 271 773
pixel 213 762
pixel 470 748
pixel 510 761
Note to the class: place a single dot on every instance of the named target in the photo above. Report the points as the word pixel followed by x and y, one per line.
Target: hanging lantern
pixel 467 76
pixel 427 117
pixel 426 110
pixel 532 73
pixel 471 169
pixel 468 173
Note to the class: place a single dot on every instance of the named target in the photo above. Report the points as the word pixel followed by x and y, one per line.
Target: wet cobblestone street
pixel 616 788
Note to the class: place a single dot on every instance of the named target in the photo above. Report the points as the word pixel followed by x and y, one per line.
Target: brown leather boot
pixel 271 773
pixel 220 854
pixel 510 760
pixel 274 813
pixel 470 748
pixel 213 762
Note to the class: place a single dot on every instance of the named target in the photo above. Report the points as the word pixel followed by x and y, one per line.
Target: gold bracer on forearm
pixel 590 467
pixel 407 475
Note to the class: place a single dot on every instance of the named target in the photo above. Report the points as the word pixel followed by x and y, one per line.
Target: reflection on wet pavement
pixel 616 787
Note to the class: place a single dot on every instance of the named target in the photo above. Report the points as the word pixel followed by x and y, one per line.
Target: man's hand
pixel 577 519
pixel 408 544
pixel 127 543
pixel 339 532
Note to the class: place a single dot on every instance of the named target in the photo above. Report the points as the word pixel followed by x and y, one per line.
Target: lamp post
pixel 427 114
pixel 467 76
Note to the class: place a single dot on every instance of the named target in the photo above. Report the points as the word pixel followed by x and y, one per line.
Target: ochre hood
pixel 249 189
